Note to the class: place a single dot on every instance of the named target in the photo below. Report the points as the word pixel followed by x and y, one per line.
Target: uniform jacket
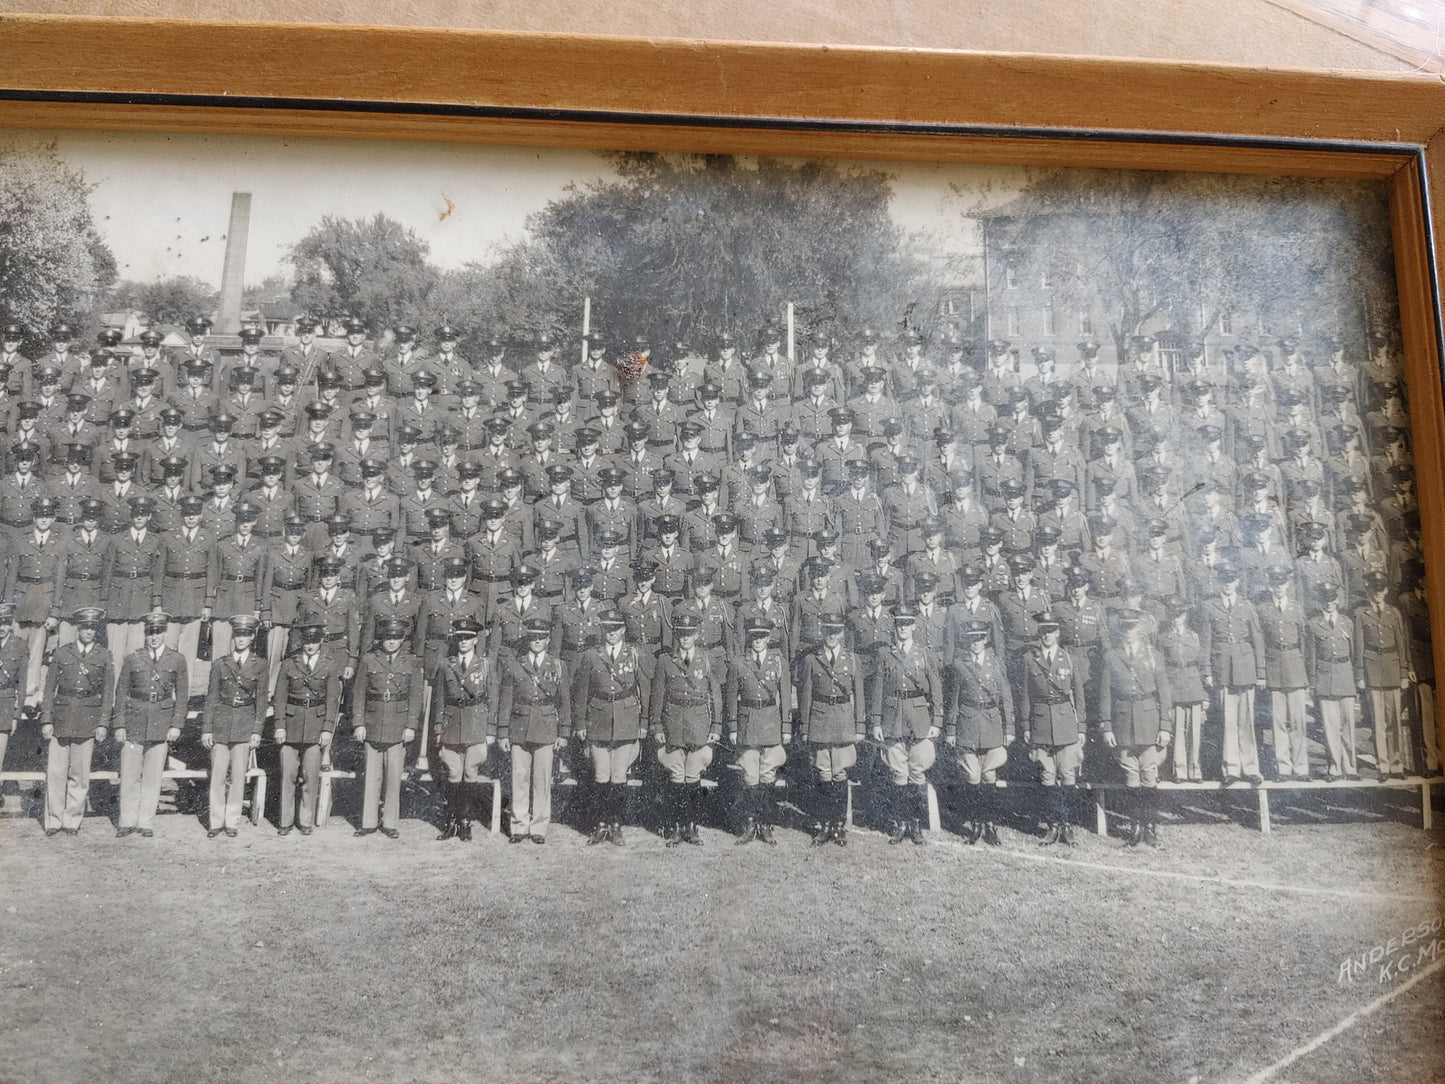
pixel 907 694
pixel 1183 664
pixel 287 574
pixel 236 701
pixel 611 697
pixel 1135 699
pixel 1233 642
pixel 1382 647
pixel 686 698
pixel 341 616
pixel 831 705
pixel 87 567
pixel 1329 656
pixel 32 576
pixel 237 576
pixel 1052 697
pixel 151 694
pixel 388 697
pixel 536 703
pixel 79 690
pixel 1284 645
pixel 758 698
pixel 308 702
pixel 980 708
pixel 465 700
pixel 185 566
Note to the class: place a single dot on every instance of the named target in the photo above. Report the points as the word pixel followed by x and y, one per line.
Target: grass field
pixel 336 958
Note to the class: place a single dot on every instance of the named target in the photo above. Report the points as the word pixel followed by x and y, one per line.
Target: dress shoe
pixel 897 832
pixel 840 834
pixel 1255 780
pixel 990 835
pixel 1353 777
pixel 615 834
pixel 464 833
pixel 974 832
pixel 449 830
pixel 213 833
pixel 51 832
pixel 305 831
pixel 765 833
pixel 363 831
pixel 523 839
pixel 391 833
pixel 1230 780
pixel 748 834
pixel 284 831
pixel 232 833
pixel 915 832
pixel 121 833
pixel 690 835
pixel 599 835
pixel 1196 777
pixel 825 835
pixel 539 840
pixel 1151 835
pixel 1302 777
pixel 1050 837
pixel 146 833
pixel 1135 835
pixel 1066 835
pixel 71 831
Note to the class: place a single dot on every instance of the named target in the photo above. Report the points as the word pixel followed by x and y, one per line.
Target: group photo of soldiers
pixel 779 579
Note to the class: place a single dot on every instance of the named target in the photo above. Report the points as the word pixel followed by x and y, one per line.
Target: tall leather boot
pixel 920 814
pixel 696 811
pixel 767 810
pixel 1066 825
pixel 450 821
pixel 894 801
pixel 990 815
pixel 840 813
pixel 748 799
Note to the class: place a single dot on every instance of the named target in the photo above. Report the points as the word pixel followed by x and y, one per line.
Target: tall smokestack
pixel 233 274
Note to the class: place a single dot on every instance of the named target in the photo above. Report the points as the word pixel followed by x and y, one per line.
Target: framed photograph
pixel 568 558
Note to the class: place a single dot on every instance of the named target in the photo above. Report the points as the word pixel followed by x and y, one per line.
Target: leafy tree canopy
pixel 53 263
pixel 375 268
pixel 166 301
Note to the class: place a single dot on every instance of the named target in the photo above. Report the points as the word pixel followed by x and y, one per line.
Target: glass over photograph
pixel 560 615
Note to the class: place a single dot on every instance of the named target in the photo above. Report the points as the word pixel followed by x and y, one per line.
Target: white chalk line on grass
pixel 1348 1022
pixel 1193 878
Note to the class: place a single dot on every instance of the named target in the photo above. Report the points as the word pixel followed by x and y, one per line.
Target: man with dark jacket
pixel 149 711
pixel 79 696
pixel 386 714
pixel 534 719
pixel 465 698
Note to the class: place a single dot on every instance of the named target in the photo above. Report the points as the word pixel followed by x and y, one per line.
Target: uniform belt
pixel 574 645
pixel 186 575
pixel 82 575
pixel 31 579
pixel 727 594
pixel 16 522
pixel 266 534
pixel 687 701
pixel 1051 703
pixel 1137 699
pixel 629 694
pixel 283 585
pixel 133 574
pixel 757 703
pixel 387 698
pixel 904 524
pixel 234 703
pixel 469 703
pixel 551 594
pixel 486 577
pixel 907 696
pixel 240 579
pixel 305 701
pixel 153 698
pixel 545 701
pixel 335 636
pixel 980 704
pixel 651 443
pixel 833 699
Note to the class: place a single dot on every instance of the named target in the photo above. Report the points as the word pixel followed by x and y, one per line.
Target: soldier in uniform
pixel 1135 704
pixel 534 719
pixel 611 692
pixel 1383 672
pixel 386 714
pixel 1184 662
pixel 148 713
pixel 32 578
pixel 979 724
pixel 307 709
pixel 1233 646
pixel 906 712
pixel 511 614
pixel 758 702
pixel 79 697
pixel 1051 697
pixel 335 609
pixel 465 697
pixel 832 713
pixel 685 717
pixel 1282 622
pixel 1329 664
pixel 235 713
pixel 187 555
pixel 237 576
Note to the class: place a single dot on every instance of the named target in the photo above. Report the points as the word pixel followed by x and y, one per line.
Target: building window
pixel 1086 322
pixel 1013 321
pixel 1049 330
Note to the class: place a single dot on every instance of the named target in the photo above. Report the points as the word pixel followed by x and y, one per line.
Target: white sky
pixel 163 201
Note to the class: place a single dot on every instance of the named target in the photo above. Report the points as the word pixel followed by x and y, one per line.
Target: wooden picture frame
pixel 783 100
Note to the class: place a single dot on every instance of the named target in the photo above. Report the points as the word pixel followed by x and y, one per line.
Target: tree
pixel 166 301
pixel 376 269
pixel 1154 249
pixel 53 262
pixel 681 247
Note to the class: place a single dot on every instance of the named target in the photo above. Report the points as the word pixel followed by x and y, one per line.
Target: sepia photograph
pixel 555 614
